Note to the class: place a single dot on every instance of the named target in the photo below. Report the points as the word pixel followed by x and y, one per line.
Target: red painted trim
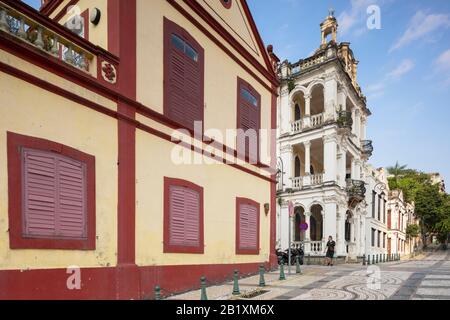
pixel 259 40
pixel 33 55
pixel 64 10
pixel 239 250
pixel 85 16
pixel 169 28
pixel 227 4
pixel 15 172
pixel 50 6
pixel 266 71
pixel 103 283
pixel 168 248
pixel 273 193
pixel 59 29
pixel 94 106
pixel 113 26
pixel 219 43
pixel 242 84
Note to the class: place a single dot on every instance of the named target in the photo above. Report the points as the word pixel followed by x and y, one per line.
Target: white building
pixel 322 149
pixel 376 218
pixel 398 216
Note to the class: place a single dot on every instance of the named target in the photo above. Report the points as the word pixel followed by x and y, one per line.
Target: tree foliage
pixel 412 231
pixel 431 206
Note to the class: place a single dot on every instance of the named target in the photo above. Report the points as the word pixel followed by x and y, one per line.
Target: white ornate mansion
pixel 322 155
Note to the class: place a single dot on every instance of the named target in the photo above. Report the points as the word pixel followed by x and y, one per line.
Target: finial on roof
pixel 331 12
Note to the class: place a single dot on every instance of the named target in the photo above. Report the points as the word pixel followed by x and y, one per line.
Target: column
pixel 329 216
pixel 284 227
pixel 357 232
pixel 307 116
pixel 340 236
pixel 285 110
pixel 307 247
pixel 330 97
pixel 287 157
pixel 356 169
pixel 354 120
pixel 342 101
pixel 342 168
pixel 307 179
pixel 362 236
pixel 330 158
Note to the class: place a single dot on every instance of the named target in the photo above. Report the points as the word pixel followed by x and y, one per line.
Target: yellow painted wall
pixel 28 110
pixel 98 34
pixel 221 71
pixel 221 183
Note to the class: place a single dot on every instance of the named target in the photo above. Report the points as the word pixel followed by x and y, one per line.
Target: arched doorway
pixel 316 223
pixel 299 219
pixel 298 112
pixel 348 227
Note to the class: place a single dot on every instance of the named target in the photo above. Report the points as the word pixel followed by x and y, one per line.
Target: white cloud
pixel 443 61
pixel 378 89
pixel 420 26
pixel 403 68
pixel 351 18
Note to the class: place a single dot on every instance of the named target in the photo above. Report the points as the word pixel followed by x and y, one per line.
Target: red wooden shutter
pixel 39 194
pixel 54 190
pixel 72 199
pixel 184 77
pixel 248 226
pixel 184 216
pixel 248 118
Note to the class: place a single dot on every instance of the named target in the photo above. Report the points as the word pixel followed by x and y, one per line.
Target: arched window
pixel 298 221
pixel 297 166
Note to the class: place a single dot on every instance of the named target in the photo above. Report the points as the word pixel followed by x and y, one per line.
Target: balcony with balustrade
pixel 356 191
pixel 367 148
pixel 24 29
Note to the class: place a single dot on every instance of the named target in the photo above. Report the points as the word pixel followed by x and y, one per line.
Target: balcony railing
pixel 316 179
pixel 345 120
pixel 367 148
pixel 297 126
pixel 311 62
pixel 22 27
pixel 316 120
pixel 297 183
pixel 356 190
pixel 316 247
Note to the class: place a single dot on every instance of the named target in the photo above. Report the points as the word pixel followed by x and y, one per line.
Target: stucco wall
pixel 28 110
pixel 221 183
pixel 221 71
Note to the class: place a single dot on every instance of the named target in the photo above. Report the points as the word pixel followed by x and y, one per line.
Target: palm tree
pixel 397 170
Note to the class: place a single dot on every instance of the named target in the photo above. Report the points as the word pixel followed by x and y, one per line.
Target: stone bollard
pixel 262 281
pixel 297 265
pixel 203 289
pixel 368 260
pixel 376 259
pixel 282 275
pixel 236 283
pixel 157 293
pixel 364 259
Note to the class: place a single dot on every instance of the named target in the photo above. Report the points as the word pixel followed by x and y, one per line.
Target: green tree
pixel 396 171
pixel 428 207
pixel 412 231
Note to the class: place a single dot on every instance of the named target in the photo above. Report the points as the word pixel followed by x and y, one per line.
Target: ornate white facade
pixel 323 151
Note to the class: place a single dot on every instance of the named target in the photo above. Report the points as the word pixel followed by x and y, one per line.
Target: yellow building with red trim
pixel 91 188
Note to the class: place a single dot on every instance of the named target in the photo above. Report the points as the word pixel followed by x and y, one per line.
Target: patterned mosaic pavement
pixel 422 278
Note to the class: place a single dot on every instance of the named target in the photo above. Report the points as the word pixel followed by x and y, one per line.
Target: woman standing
pixel 330 251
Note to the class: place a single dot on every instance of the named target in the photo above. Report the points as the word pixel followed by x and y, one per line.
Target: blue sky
pixel 404 68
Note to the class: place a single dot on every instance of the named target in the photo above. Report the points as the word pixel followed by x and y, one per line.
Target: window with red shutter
pixel 249 121
pixel 54 191
pixel 183 76
pixel 51 195
pixel 247 226
pixel 183 217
